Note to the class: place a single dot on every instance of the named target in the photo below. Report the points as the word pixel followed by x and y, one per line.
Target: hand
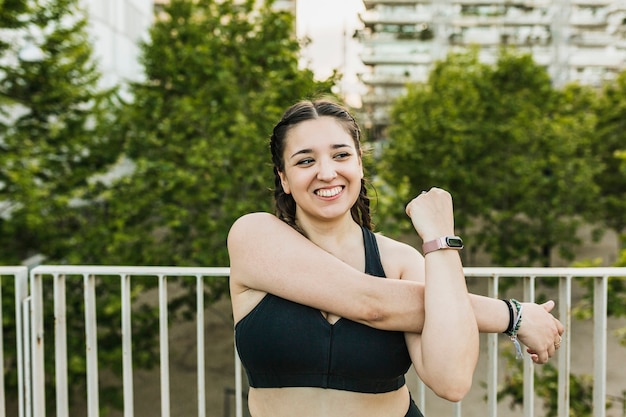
pixel 540 331
pixel 432 214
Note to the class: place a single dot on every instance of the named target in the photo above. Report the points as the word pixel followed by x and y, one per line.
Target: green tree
pixel 514 153
pixel 49 142
pixel 610 143
pixel 51 145
pixel 218 75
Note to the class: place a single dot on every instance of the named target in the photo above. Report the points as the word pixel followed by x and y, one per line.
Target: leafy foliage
pixel 218 75
pixel 51 145
pixel 546 388
pixel 610 145
pixel 514 153
pixel 50 142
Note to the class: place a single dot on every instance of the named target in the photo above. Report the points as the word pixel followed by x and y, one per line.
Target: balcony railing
pixel 30 338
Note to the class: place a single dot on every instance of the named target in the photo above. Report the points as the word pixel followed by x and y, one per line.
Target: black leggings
pixel 413 410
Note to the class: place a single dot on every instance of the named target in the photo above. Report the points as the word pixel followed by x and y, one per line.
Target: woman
pixel 319 329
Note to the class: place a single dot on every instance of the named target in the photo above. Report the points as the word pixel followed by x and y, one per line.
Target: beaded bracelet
pixel 514 325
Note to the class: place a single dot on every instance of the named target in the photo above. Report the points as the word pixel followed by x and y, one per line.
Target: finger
pixel 533 354
pixel 560 327
pixel 548 305
pixel 542 357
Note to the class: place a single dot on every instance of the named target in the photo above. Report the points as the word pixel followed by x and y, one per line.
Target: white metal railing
pixel 30 336
pixel 19 274
pixel 564 302
pixel 125 273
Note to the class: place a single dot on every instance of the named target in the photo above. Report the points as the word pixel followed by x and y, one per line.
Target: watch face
pixel 454 242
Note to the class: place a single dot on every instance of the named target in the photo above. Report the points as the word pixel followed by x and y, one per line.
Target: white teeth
pixel 329 192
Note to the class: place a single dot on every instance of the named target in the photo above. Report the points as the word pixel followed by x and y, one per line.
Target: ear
pixel 284 182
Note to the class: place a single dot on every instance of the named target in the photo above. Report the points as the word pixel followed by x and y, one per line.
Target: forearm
pixel 492 314
pixel 449 342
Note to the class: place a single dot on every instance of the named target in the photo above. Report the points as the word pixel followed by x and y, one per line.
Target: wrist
pixel 443 242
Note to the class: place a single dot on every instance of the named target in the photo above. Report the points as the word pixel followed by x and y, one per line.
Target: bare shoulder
pixel 243 231
pixel 252 221
pixel 400 259
pixel 390 247
pixel 243 240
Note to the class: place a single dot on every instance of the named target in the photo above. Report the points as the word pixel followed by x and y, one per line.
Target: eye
pixel 343 155
pixel 305 162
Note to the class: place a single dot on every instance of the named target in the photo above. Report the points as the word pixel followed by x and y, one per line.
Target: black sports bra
pixel 286 344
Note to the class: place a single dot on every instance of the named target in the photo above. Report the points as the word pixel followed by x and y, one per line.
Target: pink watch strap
pixel 432 245
pixel 445 242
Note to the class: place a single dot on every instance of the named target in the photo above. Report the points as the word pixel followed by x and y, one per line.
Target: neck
pixel 332 234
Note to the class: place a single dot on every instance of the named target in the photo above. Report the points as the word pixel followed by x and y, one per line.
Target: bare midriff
pixel 317 402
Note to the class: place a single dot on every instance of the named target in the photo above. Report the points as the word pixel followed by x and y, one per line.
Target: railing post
pixel 529 372
pixel 164 347
pixel 238 385
pixel 565 316
pixel 91 336
pixel 127 347
pixel 599 345
pixel 60 347
pixel 200 345
pixel 492 357
pixel 21 333
pixel 2 388
pixel 38 376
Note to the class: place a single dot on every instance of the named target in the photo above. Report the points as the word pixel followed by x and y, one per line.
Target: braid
pixel 285 205
pixel 361 209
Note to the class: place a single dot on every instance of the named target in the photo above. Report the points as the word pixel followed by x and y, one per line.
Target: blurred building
pixel 116 27
pixel 288 5
pixel 576 40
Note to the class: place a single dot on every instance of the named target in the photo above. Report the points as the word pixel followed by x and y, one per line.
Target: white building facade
pixel 116 27
pixel 576 40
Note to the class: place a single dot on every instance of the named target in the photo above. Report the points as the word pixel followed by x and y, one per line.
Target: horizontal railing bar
pixel 543 272
pixel 13 270
pixel 131 270
pixel 225 271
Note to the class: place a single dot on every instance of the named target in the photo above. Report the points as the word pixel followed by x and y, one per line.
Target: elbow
pixel 406 315
pixel 454 391
pixel 373 316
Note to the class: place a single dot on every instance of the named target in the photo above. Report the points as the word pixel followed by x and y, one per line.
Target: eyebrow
pixel 306 151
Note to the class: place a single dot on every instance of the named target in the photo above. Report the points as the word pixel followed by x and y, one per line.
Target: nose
pixel 326 171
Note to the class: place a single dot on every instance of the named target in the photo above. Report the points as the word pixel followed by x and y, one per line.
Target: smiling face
pixel 322 169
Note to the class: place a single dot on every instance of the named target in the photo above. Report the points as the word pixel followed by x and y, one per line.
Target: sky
pixel 330 25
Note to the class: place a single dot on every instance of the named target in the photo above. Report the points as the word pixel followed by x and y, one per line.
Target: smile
pixel 329 192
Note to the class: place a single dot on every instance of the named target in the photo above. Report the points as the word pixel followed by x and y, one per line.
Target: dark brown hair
pixel 300 112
